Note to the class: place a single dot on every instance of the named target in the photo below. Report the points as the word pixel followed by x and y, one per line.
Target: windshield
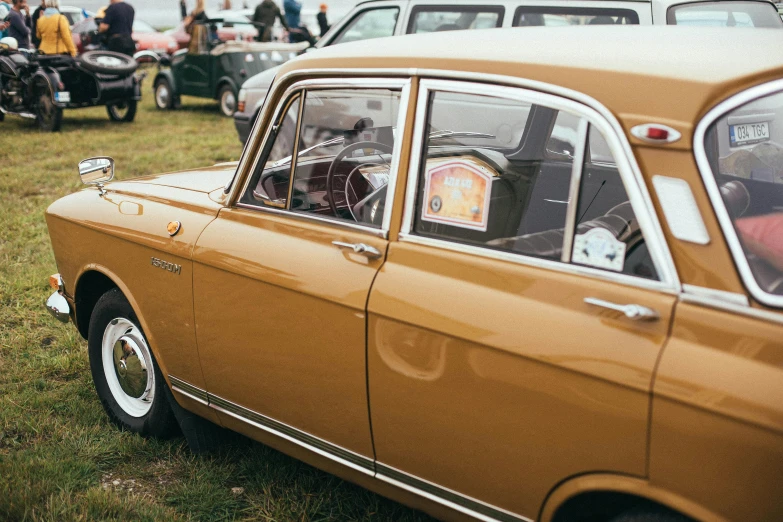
pixel 725 14
pixel 745 150
pixel 142 27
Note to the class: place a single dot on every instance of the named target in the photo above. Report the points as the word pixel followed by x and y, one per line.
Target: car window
pixel 272 177
pixel 725 14
pixel 526 16
pixel 372 23
pixel 745 150
pixel 488 178
pixel 434 18
pixel 344 157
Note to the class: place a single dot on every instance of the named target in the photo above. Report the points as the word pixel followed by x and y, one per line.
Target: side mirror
pixel 97 171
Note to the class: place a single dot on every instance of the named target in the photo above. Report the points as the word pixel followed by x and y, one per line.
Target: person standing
pixel 183 9
pixel 265 13
pixel 323 23
pixel 53 31
pixel 5 8
pixel 292 9
pixel 34 23
pixel 117 23
pixel 19 21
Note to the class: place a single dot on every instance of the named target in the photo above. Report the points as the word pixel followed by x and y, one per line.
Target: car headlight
pixel 241 100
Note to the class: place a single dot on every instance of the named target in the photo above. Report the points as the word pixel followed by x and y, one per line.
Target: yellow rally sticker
pixel 457 193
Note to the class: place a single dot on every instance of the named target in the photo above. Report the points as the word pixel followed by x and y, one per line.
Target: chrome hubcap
pixel 127 364
pixel 229 102
pixel 162 95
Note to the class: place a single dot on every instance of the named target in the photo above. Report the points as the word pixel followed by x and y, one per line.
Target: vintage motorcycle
pixel 39 86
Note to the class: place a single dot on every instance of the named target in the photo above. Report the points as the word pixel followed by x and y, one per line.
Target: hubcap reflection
pixel 127 364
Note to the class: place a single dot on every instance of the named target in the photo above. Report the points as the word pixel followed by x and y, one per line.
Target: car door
pixel 281 280
pixel 196 66
pixel 515 326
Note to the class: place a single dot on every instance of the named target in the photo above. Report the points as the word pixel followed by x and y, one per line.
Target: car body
pixel 212 68
pixel 147 38
pixel 377 18
pixel 230 25
pixel 488 277
pixel 75 14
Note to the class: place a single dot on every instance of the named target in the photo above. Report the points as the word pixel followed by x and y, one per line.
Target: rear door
pixel 514 328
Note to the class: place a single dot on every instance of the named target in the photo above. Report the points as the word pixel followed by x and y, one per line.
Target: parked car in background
pixel 212 68
pixel 379 18
pixel 73 14
pixel 478 274
pixel 147 38
pixel 229 25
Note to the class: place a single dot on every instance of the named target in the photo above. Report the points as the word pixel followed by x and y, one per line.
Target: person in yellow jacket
pixel 53 31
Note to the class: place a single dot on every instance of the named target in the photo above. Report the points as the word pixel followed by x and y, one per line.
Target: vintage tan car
pixel 487 276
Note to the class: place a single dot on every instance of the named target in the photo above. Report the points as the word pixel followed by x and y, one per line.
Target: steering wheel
pixel 375 145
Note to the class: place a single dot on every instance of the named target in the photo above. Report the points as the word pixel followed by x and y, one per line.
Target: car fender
pixel 52 78
pixel 168 75
pixel 614 483
pixel 226 80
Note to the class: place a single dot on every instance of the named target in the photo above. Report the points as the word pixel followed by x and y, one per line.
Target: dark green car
pixel 213 68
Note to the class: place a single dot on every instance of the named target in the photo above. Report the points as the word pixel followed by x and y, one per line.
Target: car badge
pixel 173 227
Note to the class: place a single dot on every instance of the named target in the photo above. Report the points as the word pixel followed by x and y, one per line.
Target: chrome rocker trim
pixel 387 474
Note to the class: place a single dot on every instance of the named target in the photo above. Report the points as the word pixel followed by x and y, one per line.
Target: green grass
pixel 60 458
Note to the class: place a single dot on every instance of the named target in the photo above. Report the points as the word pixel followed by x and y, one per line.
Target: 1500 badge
pixel 165 265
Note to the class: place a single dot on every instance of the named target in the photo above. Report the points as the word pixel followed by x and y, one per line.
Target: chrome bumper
pixel 57 305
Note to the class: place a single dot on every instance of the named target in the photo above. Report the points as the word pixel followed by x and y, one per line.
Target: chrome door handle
pixel 634 312
pixel 360 248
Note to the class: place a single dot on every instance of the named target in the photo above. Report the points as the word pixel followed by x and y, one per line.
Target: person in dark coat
pixel 323 23
pixel 19 26
pixel 34 21
pixel 266 12
pixel 117 23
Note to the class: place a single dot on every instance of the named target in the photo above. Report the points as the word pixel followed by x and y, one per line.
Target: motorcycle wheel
pixel 123 111
pixel 48 116
pixel 227 100
pixel 2 115
pixel 164 95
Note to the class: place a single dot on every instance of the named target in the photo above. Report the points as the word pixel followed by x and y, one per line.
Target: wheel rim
pixel 162 95
pixel 127 364
pixel 228 102
pixel 119 110
pixel 107 61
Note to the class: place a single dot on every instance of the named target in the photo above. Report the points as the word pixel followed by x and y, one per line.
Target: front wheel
pixel 228 101
pixel 48 116
pixel 123 111
pixel 164 94
pixel 126 376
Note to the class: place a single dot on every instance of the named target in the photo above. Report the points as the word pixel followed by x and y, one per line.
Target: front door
pixel 514 328
pixel 281 280
pixel 196 65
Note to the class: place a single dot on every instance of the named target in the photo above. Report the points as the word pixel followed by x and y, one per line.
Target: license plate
pixel 62 96
pixel 748 133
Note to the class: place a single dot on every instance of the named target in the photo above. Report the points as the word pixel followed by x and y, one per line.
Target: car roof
pixel 662 71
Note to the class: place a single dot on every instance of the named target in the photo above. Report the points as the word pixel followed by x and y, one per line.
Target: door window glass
pixel 271 179
pixel 428 19
pixel 745 150
pixel 496 173
pixel 725 14
pixel 344 156
pixel 554 16
pixel 373 23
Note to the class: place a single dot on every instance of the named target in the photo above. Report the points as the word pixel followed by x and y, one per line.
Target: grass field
pixel 60 458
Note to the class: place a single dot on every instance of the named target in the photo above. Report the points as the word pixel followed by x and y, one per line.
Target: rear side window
pixel 488 178
pixel 526 16
pixel 435 18
pixel 745 152
pixel 725 14
pixel 369 24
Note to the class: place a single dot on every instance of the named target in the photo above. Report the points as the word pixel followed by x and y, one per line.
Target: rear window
pixel 725 14
pixel 745 151
pixel 435 18
pixel 526 16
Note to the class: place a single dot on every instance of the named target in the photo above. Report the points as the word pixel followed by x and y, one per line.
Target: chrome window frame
pixel 629 171
pixel 713 191
pixel 365 82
